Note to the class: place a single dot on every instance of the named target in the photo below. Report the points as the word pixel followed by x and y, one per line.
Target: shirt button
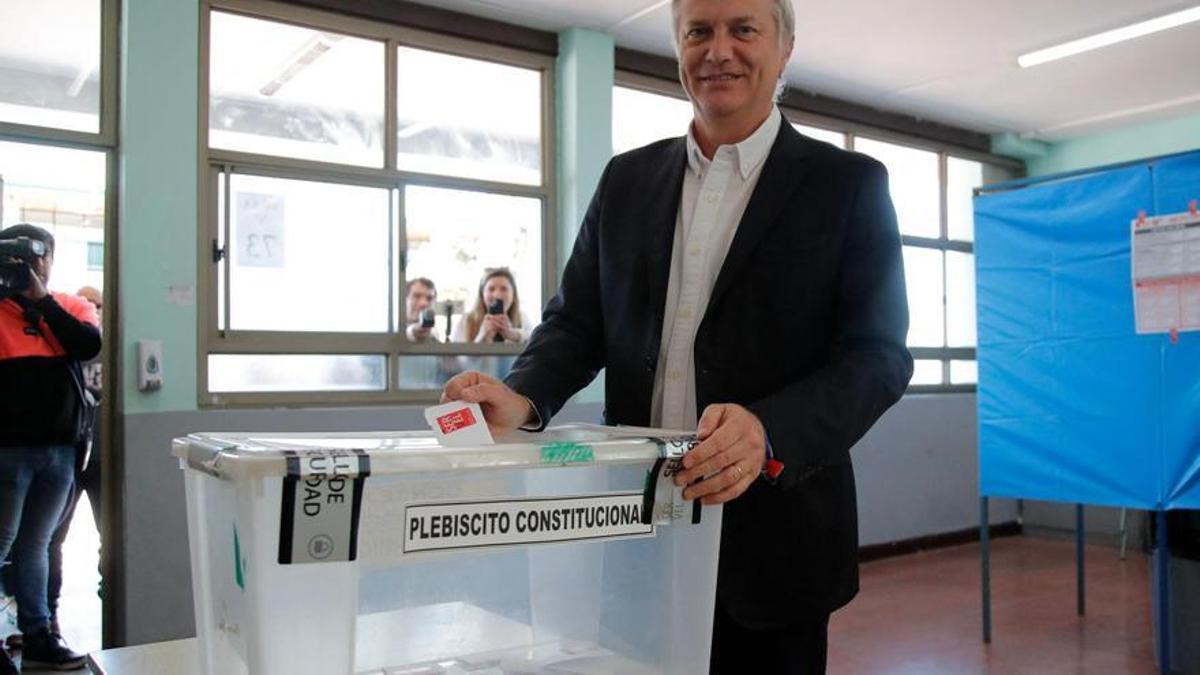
pixel 694 251
pixel 674 375
pixel 710 197
pixel 685 312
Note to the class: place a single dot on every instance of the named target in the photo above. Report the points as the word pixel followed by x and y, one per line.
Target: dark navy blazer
pixel 805 327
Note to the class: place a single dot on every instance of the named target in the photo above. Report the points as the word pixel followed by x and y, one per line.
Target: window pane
pixel 95 255
pixel 454 235
pixel 640 118
pixel 50 63
pixel 307 256
pixel 960 299
pixel 828 135
pixel 914 184
pixel 61 190
pixel 296 372
pixel 431 372
pixel 926 371
pixel 923 276
pixel 467 117
pixel 964 372
pixel 277 89
pixel 962 177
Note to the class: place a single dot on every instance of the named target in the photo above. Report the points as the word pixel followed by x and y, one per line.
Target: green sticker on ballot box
pixel 567 453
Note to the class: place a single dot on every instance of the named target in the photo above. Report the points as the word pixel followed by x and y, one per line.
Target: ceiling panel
pixel 954 61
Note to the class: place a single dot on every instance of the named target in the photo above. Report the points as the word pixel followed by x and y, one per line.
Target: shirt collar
pixel 749 153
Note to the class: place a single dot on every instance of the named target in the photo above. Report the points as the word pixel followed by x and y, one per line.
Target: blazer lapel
pixel 781 174
pixel 661 193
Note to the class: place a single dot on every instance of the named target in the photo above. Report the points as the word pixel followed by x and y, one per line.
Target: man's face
pixel 730 58
pixel 43 265
pixel 420 297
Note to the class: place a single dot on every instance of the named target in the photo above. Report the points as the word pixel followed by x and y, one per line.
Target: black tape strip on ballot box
pixel 662 500
pixel 321 505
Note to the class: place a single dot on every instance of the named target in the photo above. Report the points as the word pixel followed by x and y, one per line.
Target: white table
pixel 174 657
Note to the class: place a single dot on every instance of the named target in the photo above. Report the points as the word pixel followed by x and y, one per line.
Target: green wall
pixel 1129 143
pixel 584 107
pixel 157 216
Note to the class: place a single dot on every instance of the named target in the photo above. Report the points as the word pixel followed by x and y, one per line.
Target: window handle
pixel 218 252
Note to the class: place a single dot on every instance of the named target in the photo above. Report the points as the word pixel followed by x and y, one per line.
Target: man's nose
pixel 720 48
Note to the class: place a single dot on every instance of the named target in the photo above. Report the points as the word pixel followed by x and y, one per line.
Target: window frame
pixel 994 170
pixel 392 344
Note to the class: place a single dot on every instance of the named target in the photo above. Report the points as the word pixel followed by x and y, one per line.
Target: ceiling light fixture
pixel 1109 37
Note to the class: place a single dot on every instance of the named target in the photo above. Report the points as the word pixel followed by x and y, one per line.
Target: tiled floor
pixel 921 613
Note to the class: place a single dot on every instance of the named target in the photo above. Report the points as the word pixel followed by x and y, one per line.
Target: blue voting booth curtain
pixel 1074 406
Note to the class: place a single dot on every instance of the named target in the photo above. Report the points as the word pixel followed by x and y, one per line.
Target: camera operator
pixel 45 425
pixel 419 296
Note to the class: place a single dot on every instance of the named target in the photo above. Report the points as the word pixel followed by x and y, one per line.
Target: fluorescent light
pixel 1109 37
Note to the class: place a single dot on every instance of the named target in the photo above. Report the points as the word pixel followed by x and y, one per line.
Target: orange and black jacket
pixel 38 343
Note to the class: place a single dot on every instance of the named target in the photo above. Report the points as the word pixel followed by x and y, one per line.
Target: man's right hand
pixel 37 289
pixel 504 409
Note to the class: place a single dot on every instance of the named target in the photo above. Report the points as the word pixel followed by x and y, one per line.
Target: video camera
pixel 17 257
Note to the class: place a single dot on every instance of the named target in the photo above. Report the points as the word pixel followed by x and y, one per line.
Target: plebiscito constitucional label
pixel 481 524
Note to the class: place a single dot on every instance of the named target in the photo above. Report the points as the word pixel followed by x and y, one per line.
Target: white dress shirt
pixel 714 196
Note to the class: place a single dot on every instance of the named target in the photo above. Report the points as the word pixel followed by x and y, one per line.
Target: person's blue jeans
pixel 35 484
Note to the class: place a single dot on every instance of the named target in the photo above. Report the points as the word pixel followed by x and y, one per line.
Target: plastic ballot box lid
pixel 234 456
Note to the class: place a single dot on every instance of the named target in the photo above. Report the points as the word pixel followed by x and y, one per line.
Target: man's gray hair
pixel 785 20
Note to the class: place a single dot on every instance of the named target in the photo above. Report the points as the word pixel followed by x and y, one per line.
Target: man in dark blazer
pixel 800 349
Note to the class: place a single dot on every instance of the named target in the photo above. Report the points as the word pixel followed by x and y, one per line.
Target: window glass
pixel 641 117
pixel 427 371
pixel 307 256
pixel 923 277
pixel 95 255
pixel 469 118
pixel 914 184
pixel 61 190
pixel 960 299
pixel 50 63
pixel 828 135
pixel 455 235
pixel 962 177
pixel 964 372
pixel 230 373
pixel 926 371
pixel 278 89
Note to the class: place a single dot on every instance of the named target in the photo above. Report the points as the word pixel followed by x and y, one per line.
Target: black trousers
pixel 795 650
pixel 88 481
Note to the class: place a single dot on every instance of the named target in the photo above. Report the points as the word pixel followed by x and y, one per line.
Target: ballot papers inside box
pixel 388 553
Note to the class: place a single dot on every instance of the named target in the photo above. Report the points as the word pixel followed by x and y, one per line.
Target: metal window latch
pixel 218 252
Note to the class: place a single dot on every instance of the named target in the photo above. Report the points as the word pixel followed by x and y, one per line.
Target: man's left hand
pixel 731 454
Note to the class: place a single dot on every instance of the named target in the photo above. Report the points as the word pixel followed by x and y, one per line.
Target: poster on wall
pixel 1166 272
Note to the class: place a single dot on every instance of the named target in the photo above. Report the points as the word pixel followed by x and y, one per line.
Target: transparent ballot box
pixel 387 554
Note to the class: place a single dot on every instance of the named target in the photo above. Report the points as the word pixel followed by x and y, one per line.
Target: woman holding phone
pixel 497 315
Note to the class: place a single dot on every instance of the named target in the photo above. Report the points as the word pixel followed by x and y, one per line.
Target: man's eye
pixel 694 33
pixel 744 31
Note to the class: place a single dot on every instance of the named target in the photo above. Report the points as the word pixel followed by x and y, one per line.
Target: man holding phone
pixel 419 296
